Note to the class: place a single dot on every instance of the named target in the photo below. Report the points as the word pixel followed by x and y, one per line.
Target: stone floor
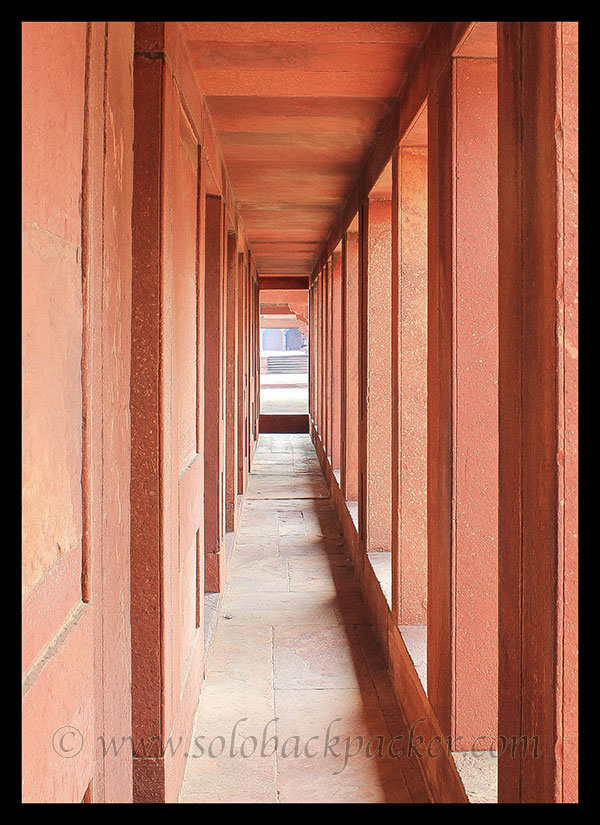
pixel 479 773
pixel 297 705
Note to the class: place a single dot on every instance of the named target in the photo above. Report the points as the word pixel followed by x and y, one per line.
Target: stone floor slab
pixel 292 655
pixel 309 656
pixel 285 487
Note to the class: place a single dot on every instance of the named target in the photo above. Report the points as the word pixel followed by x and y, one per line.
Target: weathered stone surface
pixel 286 647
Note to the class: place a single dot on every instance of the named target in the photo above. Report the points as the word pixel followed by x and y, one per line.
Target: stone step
pixel 287 364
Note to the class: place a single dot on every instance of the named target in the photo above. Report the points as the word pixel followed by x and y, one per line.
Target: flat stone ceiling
pixel 296 107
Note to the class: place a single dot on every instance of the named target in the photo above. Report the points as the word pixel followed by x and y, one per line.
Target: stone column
pixel 375 469
pixel 350 325
pixel 328 356
pixel 231 366
pixel 214 459
pixel 537 84
pixel 409 386
pixel 336 366
pixel 320 350
pixel 462 490
pixel 242 448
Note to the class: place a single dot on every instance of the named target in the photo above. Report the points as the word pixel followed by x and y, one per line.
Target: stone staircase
pixel 280 364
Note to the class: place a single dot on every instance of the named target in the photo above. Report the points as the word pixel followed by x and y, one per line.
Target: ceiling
pixel 296 107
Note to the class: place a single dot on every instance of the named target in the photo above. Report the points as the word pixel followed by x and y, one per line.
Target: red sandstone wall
pixel 53 102
pixel 77 161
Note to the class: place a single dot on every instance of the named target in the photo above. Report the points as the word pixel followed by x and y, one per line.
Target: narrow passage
pixel 297 705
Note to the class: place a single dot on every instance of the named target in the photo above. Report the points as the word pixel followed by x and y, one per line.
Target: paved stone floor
pixel 297 705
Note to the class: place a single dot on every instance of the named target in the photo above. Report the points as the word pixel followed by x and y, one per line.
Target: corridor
pixel 300 411
pixel 295 689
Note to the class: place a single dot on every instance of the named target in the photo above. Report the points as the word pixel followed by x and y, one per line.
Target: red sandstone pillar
pixel 213 399
pixel 316 333
pixel 146 475
pixel 242 447
pixel 324 357
pixel 328 354
pixel 256 351
pixel 350 325
pixel 376 391
pixel 336 365
pixel 311 358
pixel 167 420
pixel 247 366
pixel 537 83
pixel 313 332
pixel 363 246
pixel 409 386
pixel 250 358
pixel 321 353
pixel 312 306
pixel 223 374
pixel 231 366
pixel 463 413
pixel 200 320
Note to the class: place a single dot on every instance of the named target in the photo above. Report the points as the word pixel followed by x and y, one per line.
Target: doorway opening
pixel 284 347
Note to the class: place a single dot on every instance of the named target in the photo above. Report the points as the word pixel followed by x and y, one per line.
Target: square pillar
pixel 167 413
pixel 328 356
pixel 242 448
pixel 323 350
pixel 336 358
pixel 323 354
pixel 350 326
pixel 248 366
pixel 251 399
pixel 312 341
pixel 214 453
pixel 231 366
pixel 537 85
pixel 256 346
pixel 462 440
pixel 310 352
pixel 318 352
pixel 409 386
pixel 255 359
pixel 375 470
